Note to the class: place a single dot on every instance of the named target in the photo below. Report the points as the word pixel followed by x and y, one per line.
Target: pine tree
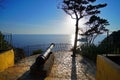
pixel 79 9
pixel 96 26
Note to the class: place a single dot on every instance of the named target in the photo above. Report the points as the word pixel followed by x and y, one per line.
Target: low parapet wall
pixel 107 69
pixel 6 59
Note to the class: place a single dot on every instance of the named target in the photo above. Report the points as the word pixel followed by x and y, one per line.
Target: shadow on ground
pixel 88 68
pixel 73 69
pixel 28 76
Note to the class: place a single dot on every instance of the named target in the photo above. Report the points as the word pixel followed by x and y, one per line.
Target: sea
pixel 31 42
pixel 22 40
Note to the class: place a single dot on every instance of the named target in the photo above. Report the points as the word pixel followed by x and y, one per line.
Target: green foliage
pixel 81 8
pixel 19 54
pixel 4 45
pixel 39 51
pixel 96 26
pixel 89 51
pixel 110 45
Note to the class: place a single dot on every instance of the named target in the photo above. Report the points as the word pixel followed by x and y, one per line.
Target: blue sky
pixel 43 17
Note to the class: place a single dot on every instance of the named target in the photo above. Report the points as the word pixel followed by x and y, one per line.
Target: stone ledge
pixel 107 69
pixel 6 59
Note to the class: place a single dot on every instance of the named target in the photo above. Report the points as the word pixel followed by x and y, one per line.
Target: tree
pixel 96 27
pixel 79 9
pixel 111 44
pixel 4 45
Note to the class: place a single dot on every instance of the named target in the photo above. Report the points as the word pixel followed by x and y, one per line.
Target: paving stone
pixel 65 67
pixel 69 68
pixel 13 73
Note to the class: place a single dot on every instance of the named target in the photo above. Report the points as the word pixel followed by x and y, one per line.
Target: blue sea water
pixel 31 42
pixel 21 40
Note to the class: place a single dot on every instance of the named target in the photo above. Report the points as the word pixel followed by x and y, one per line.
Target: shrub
pixel 19 54
pixel 39 51
pixel 110 45
pixel 4 45
pixel 89 51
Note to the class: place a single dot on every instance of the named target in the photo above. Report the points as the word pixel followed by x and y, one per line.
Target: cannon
pixel 44 60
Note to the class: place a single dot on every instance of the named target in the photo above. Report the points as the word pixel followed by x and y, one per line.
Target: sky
pixel 43 17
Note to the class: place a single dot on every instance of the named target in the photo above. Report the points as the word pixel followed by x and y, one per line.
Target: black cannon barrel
pixel 40 60
pixel 47 53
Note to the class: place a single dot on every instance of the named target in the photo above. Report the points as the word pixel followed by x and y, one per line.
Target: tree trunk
pixel 76 37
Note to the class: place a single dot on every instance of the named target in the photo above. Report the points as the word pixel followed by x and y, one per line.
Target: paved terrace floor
pixel 65 67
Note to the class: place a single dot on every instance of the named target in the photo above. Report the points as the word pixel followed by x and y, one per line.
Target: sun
pixel 69 27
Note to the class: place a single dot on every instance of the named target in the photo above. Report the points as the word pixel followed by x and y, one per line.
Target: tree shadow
pixel 73 69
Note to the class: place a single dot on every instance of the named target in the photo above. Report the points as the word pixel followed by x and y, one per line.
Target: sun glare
pixel 69 27
pixel 73 38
